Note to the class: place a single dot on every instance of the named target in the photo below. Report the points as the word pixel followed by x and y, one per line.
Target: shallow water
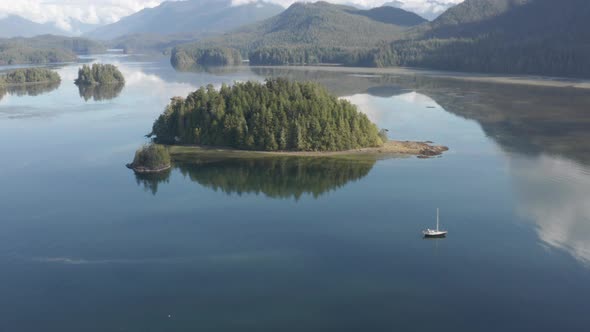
pixel 295 244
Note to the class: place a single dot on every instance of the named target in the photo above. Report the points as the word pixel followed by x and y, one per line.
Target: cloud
pixel 61 12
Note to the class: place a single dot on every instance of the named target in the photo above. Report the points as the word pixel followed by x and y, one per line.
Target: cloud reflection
pixel 554 193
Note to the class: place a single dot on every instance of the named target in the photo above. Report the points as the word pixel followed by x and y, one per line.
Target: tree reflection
pixel 100 92
pixel 28 89
pixel 151 181
pixel 275 177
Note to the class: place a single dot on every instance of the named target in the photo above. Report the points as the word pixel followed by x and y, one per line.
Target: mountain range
pixel 192 16
pixel 309 33
pixel 16 26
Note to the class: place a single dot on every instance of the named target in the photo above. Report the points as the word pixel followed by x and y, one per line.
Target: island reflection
pixel 543 133
pixel 100 92
pixel 28 89
pixel 274 177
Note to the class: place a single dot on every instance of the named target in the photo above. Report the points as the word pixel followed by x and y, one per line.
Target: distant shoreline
pixel 28 83
pixel 542 81
pixel 420 149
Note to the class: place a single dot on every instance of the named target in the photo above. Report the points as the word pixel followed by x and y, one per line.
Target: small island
pixel 27 76
pixel 277 115
pixel 99 74
pixel 151 158
pixel 274 118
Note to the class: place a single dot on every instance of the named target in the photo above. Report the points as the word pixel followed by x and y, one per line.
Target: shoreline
pixel 8 85
pixel 409 148
pixel 531 80
pixel 144 170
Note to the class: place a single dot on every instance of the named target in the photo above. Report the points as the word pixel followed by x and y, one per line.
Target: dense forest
pixel 45 49
pixel 29 76
pixel 99 74
pixel 311 33
pixel 542 37
pixel 216 56
pixel 271 116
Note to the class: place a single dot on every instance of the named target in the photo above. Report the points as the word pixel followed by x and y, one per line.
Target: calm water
pixel 296 244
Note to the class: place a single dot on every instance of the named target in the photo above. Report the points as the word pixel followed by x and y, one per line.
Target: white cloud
pixel 61 12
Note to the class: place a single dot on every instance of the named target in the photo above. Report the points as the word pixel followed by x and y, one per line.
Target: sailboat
pixel 435 233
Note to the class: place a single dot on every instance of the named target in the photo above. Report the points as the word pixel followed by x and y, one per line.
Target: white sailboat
pixel 435 233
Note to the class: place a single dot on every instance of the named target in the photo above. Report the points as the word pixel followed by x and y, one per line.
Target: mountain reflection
pixel 100 92
pixel 274 177
pixel 28 90
pixel 545 132
pixel 532 120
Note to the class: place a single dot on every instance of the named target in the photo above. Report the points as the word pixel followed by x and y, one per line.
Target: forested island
pixel 151 158
pixel 277 115
pixel 29 76
pixel 99 74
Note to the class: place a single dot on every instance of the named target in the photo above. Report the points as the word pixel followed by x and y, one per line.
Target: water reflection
pixel 28 90
pixel 554 193
pixel 151 181
pixel 217 70
pixel 100 92
pixel 274 177
pixel 543 134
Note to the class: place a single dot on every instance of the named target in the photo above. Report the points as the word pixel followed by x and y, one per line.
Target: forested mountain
pixel 544 37
pixel 45 49
pixel 391 15
pixel 175 17
pixel 16 26
pixel 312 32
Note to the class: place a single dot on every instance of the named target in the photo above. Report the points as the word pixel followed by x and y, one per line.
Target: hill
pixel 45 49
pixel 311 33
pixel 542 37
pixel 192 16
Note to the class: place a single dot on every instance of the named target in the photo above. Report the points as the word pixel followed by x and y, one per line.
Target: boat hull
pixel 435 235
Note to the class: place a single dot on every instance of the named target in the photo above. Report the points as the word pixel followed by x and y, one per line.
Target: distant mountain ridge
pixel 310 33
pixel 543 37
pixel 16 26
pixel 191 16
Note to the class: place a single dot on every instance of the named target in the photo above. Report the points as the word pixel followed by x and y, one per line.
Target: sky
pixel 61 12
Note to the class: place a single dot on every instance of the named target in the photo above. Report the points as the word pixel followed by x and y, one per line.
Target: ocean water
pixel 292 244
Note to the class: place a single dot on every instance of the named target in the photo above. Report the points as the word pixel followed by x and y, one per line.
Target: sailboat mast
pixel 437 219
